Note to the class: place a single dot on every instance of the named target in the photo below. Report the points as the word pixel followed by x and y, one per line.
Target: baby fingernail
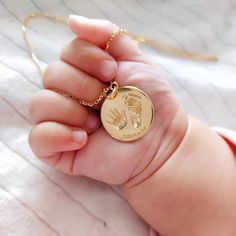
pixel 79 136
pixel 78 18
pixel 92 122
pixel 108 68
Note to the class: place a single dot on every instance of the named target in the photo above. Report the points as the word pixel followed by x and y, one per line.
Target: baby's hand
pixel 68 135
pixel 192 194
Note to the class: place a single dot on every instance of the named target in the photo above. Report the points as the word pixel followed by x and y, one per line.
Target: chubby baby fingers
pixel 48 141
pixel 47 105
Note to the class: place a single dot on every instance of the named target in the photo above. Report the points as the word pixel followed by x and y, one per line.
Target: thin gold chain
pixel 112 37
pixel 25 24
pixel 150 42
pixel 34 58
pixel 174 51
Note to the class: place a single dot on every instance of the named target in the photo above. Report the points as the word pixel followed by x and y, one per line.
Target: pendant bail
pixel 113 90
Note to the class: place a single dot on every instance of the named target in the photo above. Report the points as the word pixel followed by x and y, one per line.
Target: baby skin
pixel 180 177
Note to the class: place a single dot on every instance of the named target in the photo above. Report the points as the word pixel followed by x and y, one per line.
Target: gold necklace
pixel 127 112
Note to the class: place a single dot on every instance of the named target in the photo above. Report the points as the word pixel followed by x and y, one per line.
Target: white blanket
pixel 36 200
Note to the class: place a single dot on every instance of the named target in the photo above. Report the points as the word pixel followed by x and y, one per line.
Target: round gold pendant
pixel 128 115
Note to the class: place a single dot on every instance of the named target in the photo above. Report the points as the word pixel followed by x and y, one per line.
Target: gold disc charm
pixel 127 113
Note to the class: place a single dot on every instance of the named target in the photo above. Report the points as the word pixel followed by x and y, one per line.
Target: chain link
pixel 112 37
pixel 82 102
